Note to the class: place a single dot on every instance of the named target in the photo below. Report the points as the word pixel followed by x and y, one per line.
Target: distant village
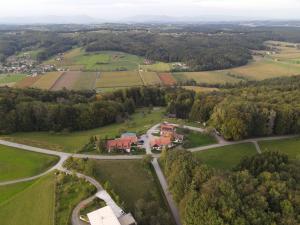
pixel 25 64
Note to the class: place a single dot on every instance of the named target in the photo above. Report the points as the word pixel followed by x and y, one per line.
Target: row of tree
pixel 262 190
pixel 38 110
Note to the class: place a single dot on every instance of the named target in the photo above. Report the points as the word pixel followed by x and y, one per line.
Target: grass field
pixel 150 78
pixel 73 142
pixel 16 163
pixel 47 81
pixel 291 147
pixel 210 77
pixel 130 179
pixel 196 139
pixel 156 67
pixel 78 59
pixel 32 205
pixel 119 79
pixel 226 157
pixel 11 79
pixel 8 191
pixel 200 89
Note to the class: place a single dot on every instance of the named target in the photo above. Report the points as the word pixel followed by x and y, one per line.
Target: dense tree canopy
pixel 262 190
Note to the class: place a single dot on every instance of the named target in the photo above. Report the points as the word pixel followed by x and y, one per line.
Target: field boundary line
pixel 141 76
pixel 57 80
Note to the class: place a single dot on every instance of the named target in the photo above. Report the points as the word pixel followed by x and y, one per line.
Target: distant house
pixel 124 143
pixel 158 143
pixel 167 130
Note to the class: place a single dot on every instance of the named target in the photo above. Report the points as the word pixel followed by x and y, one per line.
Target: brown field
pixel 150 78
pixel 47 81
pixel 66 80
pixel 119 79
pixel 27 82
pixel 209 77
pixel 200 89
pixel 167 79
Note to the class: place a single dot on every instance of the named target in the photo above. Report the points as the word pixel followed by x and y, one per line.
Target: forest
pixel 37 110
pixel 262 189
pixel 201 47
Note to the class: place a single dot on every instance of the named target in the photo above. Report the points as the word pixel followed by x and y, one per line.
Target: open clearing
pixel 167 79
pixel 140 122
pixel 130 179
pixel 16 163
pixel 150 78
pixel 226 157
pixel 210 77
pixel 78 59
pixel 47 81
pixel 119 79
pixel 34 205
pixel 156 67
pixel 291 147
pixel 10 79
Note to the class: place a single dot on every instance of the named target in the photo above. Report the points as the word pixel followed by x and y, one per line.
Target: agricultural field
pixel 227 157
pixel 198 89
pixel 78 59
pixel 291 147
pixel 86 81
pixel 167 79
pixel 11 79
pixel 27 82
pixel 16 163
pixel 66 80
pixel 156 67
pixel 119 79
pixel 32 204
pixel 139 122
pixel 210 77
pixel 47 81
pixel 150 78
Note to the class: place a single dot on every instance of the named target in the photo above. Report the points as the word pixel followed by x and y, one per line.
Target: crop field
pixel 66 80
pixel 9 191
pixel 86 81
pixel 119 79
pixel 226 157
pixel 200 89
pixel 27 82
pixel 32 205
pixel 167 79
pixel 47 81
pixel 150 78
pixel 16 163
pixel 78 59
pixel 156 67
pixel 139 122
pixel 291 147
pixel 10 79
pixel 210 77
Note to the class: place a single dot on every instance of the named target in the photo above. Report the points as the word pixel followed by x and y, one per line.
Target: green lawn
pixel 194 139
pixel 73 142
pixel 8 191
pixel 16 163
pixel 11 78
pixel 129 179
pixel 226 157
pixel 291 147
pixel 33 206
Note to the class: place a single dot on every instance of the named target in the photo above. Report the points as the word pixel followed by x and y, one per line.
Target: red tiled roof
pixel 160 141
pixel 121 143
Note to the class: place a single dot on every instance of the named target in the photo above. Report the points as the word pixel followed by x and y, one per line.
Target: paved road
pixel 164 185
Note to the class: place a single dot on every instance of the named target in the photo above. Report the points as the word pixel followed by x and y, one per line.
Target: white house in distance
pixel 106 216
